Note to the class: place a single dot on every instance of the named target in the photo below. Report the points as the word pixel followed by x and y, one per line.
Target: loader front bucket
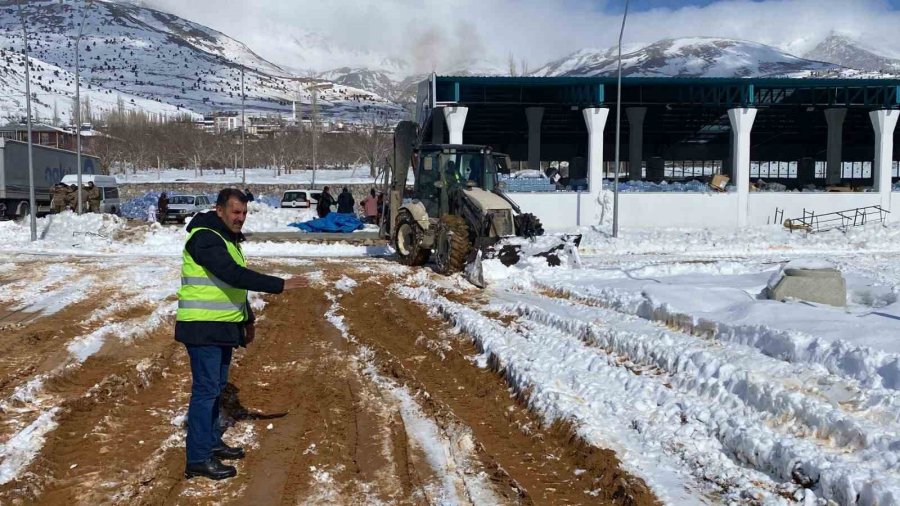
pixel 509 253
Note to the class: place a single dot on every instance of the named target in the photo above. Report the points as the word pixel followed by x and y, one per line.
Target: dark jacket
pixel 249 196
pixel 208 250
pixel 323 206
pixel 345 202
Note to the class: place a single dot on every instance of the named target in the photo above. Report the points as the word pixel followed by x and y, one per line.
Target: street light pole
pixel 615 230
pixel 314 98
pixel 243 129
pixel 32 205
pixel 78 101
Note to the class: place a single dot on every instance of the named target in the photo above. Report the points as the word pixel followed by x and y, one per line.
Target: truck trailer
pixel 50 165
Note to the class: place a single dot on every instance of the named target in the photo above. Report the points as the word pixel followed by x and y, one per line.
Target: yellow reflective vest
pixel 206 298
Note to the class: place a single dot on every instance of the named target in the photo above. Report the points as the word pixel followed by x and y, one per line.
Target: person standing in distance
pixel 213 318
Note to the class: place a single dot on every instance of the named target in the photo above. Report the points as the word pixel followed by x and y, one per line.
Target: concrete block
pixel 825 286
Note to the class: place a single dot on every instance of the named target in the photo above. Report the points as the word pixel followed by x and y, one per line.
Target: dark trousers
pixel 209 372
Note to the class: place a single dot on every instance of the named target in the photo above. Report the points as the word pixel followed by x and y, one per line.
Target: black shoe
pixel 226 452
pixel 211 468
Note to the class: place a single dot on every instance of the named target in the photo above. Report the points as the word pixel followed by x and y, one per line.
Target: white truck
pixel 50 166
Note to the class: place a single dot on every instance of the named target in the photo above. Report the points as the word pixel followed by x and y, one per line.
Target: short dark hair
pixel 228 194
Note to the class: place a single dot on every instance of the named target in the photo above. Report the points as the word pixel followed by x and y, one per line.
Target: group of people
pixel 65 197
pixel 370 206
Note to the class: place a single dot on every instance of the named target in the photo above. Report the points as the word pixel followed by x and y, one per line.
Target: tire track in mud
pixel 323 434
pixel 110 409
pixel 544 465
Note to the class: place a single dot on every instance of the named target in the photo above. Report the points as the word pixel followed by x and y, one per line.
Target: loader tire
pixel 451 245
pixel 528 225
pixel 407 241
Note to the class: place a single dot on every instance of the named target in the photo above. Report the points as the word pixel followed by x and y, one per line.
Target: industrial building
pixel 801 136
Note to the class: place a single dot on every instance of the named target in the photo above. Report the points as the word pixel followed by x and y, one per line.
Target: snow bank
pixel 356 175
pixel 687 413
pixel 745 242
pixel 103 234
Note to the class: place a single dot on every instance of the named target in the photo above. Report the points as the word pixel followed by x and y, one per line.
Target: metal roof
pixel 670 81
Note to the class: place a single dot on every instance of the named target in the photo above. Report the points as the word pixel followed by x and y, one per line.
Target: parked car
pixel 296 199
pixel 182 207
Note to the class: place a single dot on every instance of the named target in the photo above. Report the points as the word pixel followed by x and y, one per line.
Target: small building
pixel 44 135
pixel 801 136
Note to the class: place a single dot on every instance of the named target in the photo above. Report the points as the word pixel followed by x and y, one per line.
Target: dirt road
pixel 350 395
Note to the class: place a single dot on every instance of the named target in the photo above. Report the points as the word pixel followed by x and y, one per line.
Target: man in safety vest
pixel 213 318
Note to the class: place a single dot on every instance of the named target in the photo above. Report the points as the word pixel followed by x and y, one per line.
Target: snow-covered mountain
pixel 847 52
pixel 691 57
pixel 397 83
pixel 142 53
pixel 53 89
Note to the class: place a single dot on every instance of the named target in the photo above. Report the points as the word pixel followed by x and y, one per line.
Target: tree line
pixel 132 141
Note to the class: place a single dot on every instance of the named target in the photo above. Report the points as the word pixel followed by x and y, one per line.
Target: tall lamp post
pixel 32 206
pixel 243 131
pixel 78 101
pixel 615 230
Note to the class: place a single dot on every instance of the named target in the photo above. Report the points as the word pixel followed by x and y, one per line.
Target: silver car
pixel 182 207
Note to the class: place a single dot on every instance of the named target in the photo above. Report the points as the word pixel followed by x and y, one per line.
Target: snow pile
pixel 104 234
pixel 798 264
pixel 265 218
pixel 689 414
pixel 357 175
pixel 750 241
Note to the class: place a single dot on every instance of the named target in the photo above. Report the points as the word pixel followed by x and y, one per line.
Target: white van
pixel 109 190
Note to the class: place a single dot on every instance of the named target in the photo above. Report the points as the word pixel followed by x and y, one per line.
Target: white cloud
pixel 448 34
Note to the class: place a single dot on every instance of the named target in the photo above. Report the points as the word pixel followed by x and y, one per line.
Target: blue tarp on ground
pixel 334 222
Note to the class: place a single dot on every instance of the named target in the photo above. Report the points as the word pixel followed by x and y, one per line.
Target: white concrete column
pixel 834 156
pixel 437 125
pixel 595 119
pixel 535 115
pixel 741 125
pixel 884 122
pixel 456 120
pixel 635 141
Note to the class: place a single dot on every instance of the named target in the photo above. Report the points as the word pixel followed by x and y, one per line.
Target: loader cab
pixel 443 170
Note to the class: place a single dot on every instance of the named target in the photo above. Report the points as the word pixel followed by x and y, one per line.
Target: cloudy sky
pixel 446 35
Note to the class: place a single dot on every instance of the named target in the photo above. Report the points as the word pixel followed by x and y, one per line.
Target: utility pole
pixel 314 116
pixel 32 205
pixel 78 101
pixel 243 129
pixel 615 230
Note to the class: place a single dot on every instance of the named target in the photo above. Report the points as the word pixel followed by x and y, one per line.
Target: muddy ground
pixel 350 395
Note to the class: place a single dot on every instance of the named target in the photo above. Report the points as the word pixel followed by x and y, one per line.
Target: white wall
pixel 556 210
pixel 690 210
pixel 679 210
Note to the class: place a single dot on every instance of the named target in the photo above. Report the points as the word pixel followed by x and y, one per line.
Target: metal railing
pixel 841 220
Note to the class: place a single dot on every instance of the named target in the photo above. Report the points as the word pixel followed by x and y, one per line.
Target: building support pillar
pixel 635 141
pixel 534 115
pixel 595 119
pixel 834 156
pixel 437 125
pixel 884 122
pixel 456 121
pixel 741 126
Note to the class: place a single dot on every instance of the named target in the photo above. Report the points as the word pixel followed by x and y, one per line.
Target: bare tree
pixel 373 142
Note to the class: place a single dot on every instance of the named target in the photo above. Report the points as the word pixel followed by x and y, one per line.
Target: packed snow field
pixel 659 346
